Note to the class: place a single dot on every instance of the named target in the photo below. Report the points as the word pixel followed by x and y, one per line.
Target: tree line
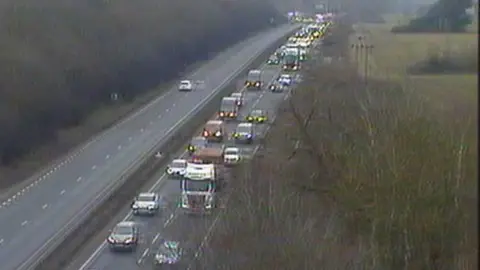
pixel 61 59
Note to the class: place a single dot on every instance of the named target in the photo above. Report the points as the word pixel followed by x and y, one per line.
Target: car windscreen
pixel 196 185
pixel 231 152
pixel 256 113
pixel 122 230
pixel 145 198
pixel 243 129
pixel 185 83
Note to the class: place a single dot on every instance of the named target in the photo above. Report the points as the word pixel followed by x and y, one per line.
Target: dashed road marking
pixel 119 147
pixel 167 110
pixel 144 254
pixel 173 105
pixel 155 238
pixel 45 206
pixel 129 138
pixel 142 130
pixel 24 223
pixel 1 241
pixel 94 167
pixel 159 116
pixel 150 123
pixel 107 156
pixel 79 179
pixel 62 192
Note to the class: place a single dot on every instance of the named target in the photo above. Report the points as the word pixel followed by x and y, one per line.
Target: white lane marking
pixel 107 156
pixel 150 123
pixel 24 223
pixel 173 105
pixel 62 192
pixel 167 110
pixel 44 206
pixel 103 245
pixel 144 254
pixel 159 116
pixel 79 179
pixel 142 130
pixel 169 220
pixel 94 167
pixel 129 138
pixel 119 147
pixel 1 241
pixel 155 238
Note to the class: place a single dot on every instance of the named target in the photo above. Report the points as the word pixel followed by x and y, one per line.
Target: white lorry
pixel 198 188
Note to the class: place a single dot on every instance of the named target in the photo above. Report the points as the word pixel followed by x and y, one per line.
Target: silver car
pixel 244 133
pixel 124 236
pixel 146 204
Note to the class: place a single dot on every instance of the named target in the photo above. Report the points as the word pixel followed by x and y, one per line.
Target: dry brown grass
pixel 381 179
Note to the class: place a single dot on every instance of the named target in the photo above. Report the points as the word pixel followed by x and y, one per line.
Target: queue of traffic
pixel 201 175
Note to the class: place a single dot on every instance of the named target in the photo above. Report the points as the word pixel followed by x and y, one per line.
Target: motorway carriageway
pixel 171 224
pixel 35 217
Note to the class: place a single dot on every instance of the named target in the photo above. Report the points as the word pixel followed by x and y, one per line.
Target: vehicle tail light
pixel 222 114
pixel 232 114
pixel 205 133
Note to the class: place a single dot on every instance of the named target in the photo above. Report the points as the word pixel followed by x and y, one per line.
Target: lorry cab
pixel 214 131
pixel 228 108
pixel 198 188
pixel 254 79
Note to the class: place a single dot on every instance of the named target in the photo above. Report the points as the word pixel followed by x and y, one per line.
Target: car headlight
pixel 110 239
pixel 235 135
pixel 169 171
pixel 249 135
pixel 134 206
pixel 160 258
pixel 218 133
pixel 128 241
pixel 182 172
pixel 151 207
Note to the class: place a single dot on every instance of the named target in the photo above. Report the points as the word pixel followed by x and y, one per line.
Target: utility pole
pixel 362 50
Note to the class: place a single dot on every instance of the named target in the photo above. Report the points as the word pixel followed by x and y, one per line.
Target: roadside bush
pixel 355 177
pixel 59 60
pixel 446 62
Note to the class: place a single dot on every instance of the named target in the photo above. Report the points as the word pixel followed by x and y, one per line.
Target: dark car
pixel 124 236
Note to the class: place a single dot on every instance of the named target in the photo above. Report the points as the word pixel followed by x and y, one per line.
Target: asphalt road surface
pixel 37 214
pixel 171 223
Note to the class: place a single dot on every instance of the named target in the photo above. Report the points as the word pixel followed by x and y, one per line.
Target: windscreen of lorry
pixel 197 185
pixel 290 58
pixel 228 105
pixel 254 75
